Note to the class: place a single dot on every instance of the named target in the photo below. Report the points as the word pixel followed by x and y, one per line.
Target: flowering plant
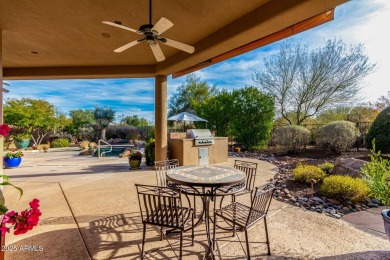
pixel 4 129
pixel 22 222
pixel 13 154
pixel 22 137
pixel 136 155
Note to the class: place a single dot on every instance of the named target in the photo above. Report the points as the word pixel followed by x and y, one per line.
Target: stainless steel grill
pixel 201 136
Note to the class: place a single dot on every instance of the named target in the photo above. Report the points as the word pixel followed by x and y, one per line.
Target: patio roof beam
pixel 274 16
pixel 131 71
pixel 287 32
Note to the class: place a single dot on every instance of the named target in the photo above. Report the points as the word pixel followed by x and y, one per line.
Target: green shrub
pixel 376 174
pixel 345 188
pixel 337 136
pixel 326 167
pixel 150 153
pixel 22 137
pixel 292 137
pixel 304 173
pixel 380 131
pixel 61 142
pixel 122 132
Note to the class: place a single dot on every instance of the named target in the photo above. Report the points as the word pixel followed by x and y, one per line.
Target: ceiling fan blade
pixel 126 46
pixel 158 54
pixel 5 90
pixel 122 27
pixel 162 25
pixel 179 45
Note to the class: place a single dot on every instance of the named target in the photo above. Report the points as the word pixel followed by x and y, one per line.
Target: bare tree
pixel 383 102
pixel 304 83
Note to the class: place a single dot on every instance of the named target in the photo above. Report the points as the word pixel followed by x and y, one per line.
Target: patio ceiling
pixel 63 39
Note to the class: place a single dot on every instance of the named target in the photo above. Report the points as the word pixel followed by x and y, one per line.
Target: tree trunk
pixel 103 134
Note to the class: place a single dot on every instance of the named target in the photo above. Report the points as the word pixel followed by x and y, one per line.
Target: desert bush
pixel 376 174
pixel 304 173
pixel 60 142
pixel 380 131
pixel 338 136
pixel 150 153
pixel 122 132
pixel 345 188
pixel 292 137
pixel 326 167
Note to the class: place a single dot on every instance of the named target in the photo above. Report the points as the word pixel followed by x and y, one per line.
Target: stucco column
pixel 160 117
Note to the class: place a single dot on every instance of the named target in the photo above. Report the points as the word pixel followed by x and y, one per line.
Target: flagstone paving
pixel 90 211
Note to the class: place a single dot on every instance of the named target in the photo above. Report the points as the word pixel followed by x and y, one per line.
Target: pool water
pixel 116 150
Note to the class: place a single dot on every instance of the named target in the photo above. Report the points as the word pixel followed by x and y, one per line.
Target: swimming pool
pixel 116 150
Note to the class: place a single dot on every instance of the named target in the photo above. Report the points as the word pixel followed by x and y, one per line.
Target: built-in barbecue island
pixel 197 147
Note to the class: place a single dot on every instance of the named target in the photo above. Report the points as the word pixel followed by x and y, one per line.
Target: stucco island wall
pixel 187 154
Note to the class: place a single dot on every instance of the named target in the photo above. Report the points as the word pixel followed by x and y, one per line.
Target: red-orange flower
pixel 4 129
pixel 24 221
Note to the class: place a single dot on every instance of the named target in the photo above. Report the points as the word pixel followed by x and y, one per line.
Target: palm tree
pixel 103 116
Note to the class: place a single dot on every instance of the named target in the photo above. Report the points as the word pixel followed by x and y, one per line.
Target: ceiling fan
pixel 3 89
pixel 152 34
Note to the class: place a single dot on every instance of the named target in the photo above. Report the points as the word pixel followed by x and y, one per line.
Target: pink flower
pixel 34 203
pixel 4 129
pixel 25 221
pixel 10 217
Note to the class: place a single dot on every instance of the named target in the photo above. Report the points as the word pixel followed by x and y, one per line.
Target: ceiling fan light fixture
pixel 151 33
pixel 105 35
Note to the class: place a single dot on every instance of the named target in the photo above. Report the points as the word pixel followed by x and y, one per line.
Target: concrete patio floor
pixel 90 211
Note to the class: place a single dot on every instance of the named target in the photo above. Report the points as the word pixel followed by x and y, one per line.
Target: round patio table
pixel 205 181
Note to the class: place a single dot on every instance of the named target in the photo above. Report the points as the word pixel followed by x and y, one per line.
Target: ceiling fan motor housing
pixel 146 29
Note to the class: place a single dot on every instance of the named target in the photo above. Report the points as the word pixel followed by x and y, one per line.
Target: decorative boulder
pixel 126 153
pixel 348 166
pixel 41 147
pixel 84 145
pixel 92 144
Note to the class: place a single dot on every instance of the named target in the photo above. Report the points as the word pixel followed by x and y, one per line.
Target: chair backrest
pixel 250 169
pixel 160 205
pixel 260 202
pixel 161 168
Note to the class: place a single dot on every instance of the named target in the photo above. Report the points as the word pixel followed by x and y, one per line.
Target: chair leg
pixel 248 256
pixel 266 235
pixel 181 244
pixel 215 223
pixel 161 233
pixel 143 243
pixel 234 215
pixel 193 232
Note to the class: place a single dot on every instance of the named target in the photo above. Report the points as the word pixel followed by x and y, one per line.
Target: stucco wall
pixel 187 154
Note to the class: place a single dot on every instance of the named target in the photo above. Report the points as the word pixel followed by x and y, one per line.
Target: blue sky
pixel 357 21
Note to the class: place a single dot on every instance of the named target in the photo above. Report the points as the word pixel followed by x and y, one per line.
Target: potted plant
pixel 386 220
pixel 135 159
pixel 12 159
pixel 22 140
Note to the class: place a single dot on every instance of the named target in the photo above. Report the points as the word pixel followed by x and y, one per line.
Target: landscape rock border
pixel 301 195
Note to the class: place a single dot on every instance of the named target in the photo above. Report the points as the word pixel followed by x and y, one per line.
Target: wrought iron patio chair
pixel 162 207
pixel 161 168
pixel 244 217
pixel 250 170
